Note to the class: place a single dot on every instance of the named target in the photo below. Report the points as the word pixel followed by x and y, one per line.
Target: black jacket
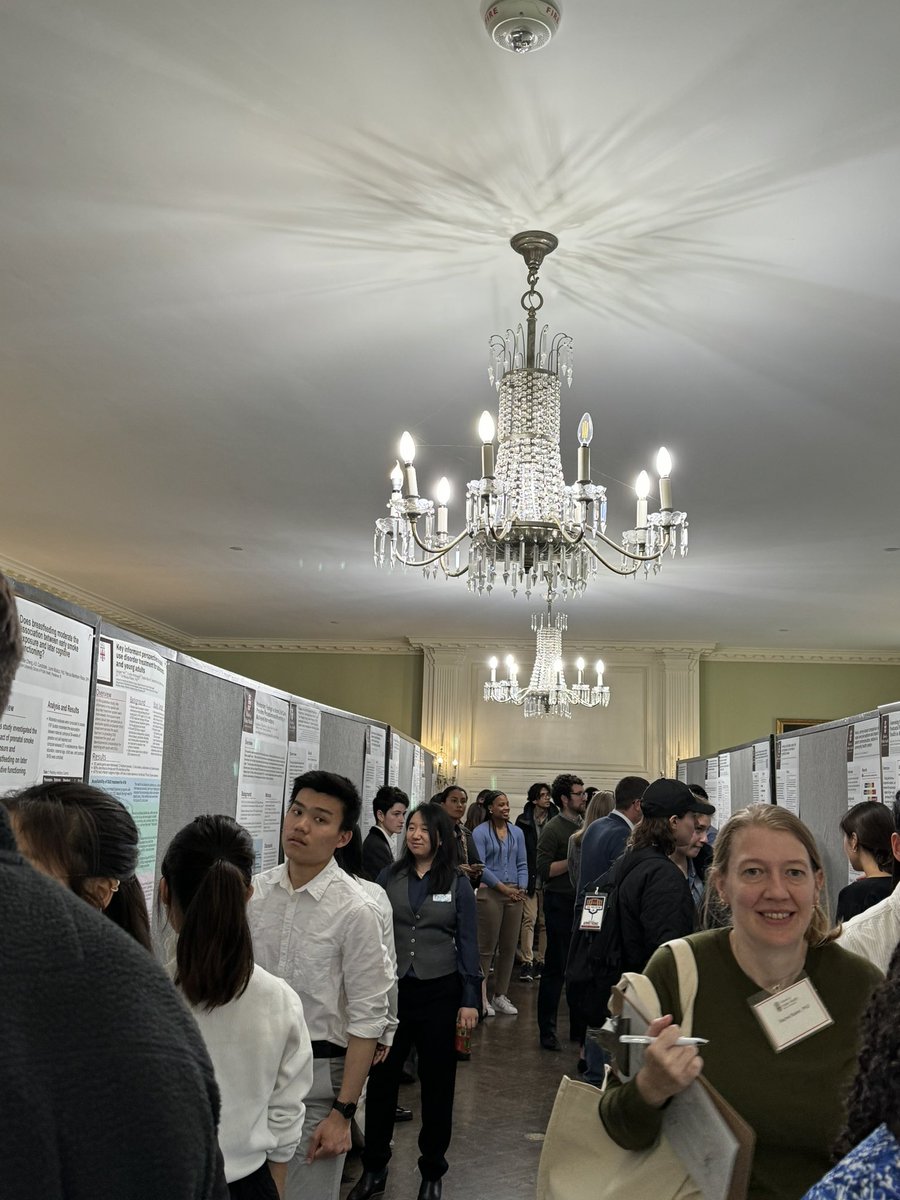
pixel 655 906
pixel 376 854
pixel 525 822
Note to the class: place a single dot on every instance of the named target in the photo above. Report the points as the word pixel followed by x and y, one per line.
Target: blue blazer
pixel 603 842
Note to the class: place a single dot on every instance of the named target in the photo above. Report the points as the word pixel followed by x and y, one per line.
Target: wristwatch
pixel 347 1111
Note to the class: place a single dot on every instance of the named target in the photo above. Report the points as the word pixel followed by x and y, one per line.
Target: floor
pixel 503 1100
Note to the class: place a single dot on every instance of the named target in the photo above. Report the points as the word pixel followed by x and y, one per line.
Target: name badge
pixel 442 897
pixel 592 912
pixel 791 1015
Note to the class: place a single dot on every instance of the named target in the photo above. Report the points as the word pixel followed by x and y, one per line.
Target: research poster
pixel 417 787
pixel 890 755
pixel 304 740
pixel 373 772
pixel 787 774
pixel 43 734
pixel 711 783
pixel 127 739
pixel 723 790
pixel 681 772
pixel 863 761
pixel 261 772
pixel 394 764
pixel 762 782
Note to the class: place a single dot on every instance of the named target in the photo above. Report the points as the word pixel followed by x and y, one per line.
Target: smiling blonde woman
pixel 786 1082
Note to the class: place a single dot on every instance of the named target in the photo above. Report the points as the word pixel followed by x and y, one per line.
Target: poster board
pixel 823 789
pixel 45 732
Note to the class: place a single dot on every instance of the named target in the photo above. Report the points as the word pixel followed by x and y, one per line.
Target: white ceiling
pixel 244 245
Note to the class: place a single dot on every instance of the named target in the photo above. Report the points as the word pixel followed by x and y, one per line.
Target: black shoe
pixel 538 969
pixel 370 1183
pixel 549 1041
pixel 526 975
pixel 402 1114
pixel 429 1189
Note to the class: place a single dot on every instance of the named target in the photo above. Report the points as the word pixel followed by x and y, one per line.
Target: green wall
pixel 739 701
pixel 385 687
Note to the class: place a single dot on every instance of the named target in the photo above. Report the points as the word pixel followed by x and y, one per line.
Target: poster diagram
pixel 127 740
pixel 762 782
pixel 261 772
pixel 787 774
pixel 394 764
pixel 43 734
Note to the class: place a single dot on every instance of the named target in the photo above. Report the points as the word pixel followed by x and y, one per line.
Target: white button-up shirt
pixel 325 940
pixel 874 934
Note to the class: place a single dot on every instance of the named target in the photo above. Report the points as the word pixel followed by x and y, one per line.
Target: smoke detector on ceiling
pixel 521 25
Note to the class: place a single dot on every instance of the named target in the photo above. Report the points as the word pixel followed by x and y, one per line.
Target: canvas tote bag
pixel 580 1161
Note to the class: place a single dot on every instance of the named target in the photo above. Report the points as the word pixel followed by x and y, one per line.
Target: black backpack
pixel 596 961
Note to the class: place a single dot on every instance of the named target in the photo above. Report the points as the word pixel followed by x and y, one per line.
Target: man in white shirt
pixel 875 933
pixel 316 928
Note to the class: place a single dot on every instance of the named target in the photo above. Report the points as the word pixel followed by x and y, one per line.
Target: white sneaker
pixel 489 1010
pixel 503 1005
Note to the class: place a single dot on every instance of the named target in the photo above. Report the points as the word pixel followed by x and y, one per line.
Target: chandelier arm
pixel 415 562
pixel 435 549
pixel 615 570
pixel 453 574
pixel 635 558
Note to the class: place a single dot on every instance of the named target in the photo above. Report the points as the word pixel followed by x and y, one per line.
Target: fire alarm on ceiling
pixel 521 26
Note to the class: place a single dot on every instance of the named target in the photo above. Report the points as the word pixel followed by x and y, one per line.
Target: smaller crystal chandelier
pixel 547 694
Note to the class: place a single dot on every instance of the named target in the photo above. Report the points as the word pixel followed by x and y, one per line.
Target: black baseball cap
pixel 672 798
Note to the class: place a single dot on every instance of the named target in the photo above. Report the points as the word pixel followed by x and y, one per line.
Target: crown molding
pixel 109 610
pixel 874 658
pixel 302 646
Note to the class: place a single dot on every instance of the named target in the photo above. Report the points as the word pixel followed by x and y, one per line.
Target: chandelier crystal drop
pixel 547 694
pixel 525 527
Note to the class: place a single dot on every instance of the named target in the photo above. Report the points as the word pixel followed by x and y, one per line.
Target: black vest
pixel 424 940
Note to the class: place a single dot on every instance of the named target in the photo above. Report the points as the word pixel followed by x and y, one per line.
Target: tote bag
pixel 580 1161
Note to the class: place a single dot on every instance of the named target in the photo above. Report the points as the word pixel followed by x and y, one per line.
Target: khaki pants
pixel 533 928
pixel 498 929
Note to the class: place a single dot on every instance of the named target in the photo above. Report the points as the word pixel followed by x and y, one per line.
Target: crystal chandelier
pixel 525 526
pixel 547 694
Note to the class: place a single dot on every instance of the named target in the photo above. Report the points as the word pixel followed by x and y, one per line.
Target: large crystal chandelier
pixel 547 694
pixel 524 525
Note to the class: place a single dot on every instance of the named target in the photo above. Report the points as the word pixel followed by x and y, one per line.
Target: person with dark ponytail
pixel 867 828
pixel 251 1021
pixel 87 840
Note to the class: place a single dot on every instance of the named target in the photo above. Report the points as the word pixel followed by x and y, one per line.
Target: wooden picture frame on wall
pixel 792 724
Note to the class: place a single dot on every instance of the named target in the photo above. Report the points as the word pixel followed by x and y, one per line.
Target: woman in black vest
pixel 436 936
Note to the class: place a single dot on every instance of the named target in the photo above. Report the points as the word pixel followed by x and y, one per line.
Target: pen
pixel 634 1039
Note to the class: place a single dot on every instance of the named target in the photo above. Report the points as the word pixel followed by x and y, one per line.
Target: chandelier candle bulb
pixel 585 433
pixel 486 431
pixel 408 454
pixel 442 495
pixel 396 479
pixel 579 664
pixel 642 491
pixel 493 664
pixel 599 667
pixel 664 470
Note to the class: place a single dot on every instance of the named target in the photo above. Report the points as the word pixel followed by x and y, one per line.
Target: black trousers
pixel 427 1010
pixel 559 912
pixel 258 1186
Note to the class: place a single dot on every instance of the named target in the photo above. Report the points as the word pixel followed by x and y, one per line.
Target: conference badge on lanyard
pixel 592 911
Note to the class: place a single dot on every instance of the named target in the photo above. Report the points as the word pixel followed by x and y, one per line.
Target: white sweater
pixel 261 1053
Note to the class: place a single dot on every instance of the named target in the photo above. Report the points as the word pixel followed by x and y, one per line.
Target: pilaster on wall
pixel 680 707
pixel 442 695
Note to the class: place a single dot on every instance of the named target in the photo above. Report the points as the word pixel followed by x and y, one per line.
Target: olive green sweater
pixel 553 845
pixel 792 1100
